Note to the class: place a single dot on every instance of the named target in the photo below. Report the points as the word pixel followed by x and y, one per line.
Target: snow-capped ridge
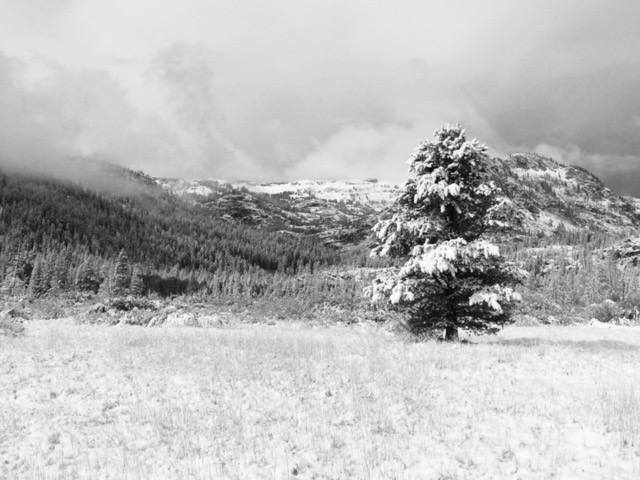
pixel 548 195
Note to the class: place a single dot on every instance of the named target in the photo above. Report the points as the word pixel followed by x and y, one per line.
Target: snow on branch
pixel 432 259
pixel 436 229
pixel 391 231
pixel 492 296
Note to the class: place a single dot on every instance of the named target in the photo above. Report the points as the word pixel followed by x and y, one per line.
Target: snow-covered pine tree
pixel 453 276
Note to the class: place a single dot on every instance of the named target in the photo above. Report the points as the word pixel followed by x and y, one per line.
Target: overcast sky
pixel 319 89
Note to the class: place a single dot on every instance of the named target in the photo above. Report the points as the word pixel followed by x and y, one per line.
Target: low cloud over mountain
pixel 308 90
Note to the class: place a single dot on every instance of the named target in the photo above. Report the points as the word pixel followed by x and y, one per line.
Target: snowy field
pixel 334 403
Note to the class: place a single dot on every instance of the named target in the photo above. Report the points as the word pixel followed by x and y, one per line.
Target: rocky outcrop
pixel 626 252
pixel 553 196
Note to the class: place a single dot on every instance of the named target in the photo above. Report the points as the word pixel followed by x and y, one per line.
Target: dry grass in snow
pixel 281 402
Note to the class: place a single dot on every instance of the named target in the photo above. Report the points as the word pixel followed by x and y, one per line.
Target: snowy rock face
pixel 626 252
pixel 554 196
pixel 372 194
pixel 551 196
pixel 339 212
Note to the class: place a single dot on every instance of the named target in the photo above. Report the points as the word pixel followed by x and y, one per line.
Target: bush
pixel 126 304
pixel 526 320
pixel 537 304
pixel 630 307
pixel 11 325
pixel 47 309
pixel 606 311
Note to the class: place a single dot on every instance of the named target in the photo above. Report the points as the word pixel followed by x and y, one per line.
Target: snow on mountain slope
pixel 181 187
pixel 336 211
pixel 374 193
pixel 550 195
pixel 553 196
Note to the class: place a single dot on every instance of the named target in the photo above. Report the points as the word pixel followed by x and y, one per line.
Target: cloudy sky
pixel 320 89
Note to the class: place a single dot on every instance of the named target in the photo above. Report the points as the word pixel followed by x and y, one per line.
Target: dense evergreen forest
pixel 57 236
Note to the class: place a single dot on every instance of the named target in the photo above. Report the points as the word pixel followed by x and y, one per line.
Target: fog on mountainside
pixel 97 175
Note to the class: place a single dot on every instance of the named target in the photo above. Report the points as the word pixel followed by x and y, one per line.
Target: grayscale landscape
pixel 319 240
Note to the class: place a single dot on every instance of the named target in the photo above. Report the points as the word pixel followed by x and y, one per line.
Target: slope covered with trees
pixel 57 236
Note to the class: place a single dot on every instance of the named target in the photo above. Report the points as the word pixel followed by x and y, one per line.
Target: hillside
pixel 243 241
pixel 553 196
pixel 175 247
pixel 372 193
pixel 550 196
pixel 339 212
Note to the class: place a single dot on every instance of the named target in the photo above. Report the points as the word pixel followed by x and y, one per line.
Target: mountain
pixel 373 193
pixel 550 196
pixel 339 212
pixel 64 226
pixel 306 242
pixel 553 196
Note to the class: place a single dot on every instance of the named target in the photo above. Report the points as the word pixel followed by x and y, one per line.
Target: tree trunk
pixel 451 334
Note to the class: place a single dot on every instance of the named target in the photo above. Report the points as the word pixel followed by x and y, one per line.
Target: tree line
pixel 58 236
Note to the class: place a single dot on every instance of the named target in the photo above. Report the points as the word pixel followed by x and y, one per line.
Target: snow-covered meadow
pixel 285 401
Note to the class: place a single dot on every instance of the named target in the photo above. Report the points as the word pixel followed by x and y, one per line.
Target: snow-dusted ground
pixel 338 402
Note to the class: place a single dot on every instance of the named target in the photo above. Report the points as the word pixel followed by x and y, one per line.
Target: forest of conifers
pixel 71 237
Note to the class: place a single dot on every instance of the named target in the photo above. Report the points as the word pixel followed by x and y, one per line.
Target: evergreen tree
pixel 86 277
pixel 137 284
pixel 11 284
pixel 37 282
pixel 122 275
pixel 47 274
pixel 452 276
pixel 60 272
